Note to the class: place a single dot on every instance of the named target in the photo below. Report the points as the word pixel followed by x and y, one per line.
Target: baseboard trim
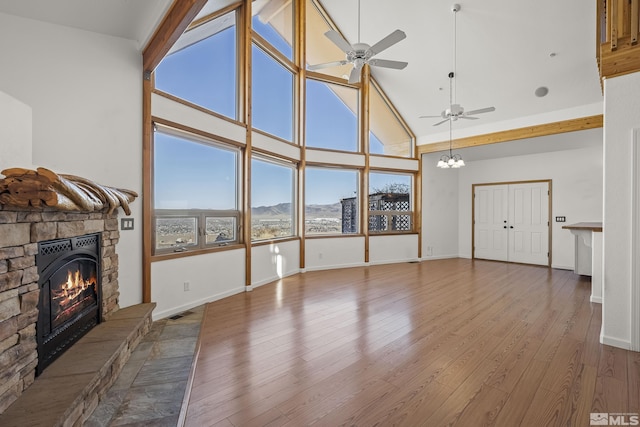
pixel 435 257
pixel 595 299
pixel 271 280
pixel 184 307
pixel 334 267
pixel 561 267
pixel 615 342
pixel 394 261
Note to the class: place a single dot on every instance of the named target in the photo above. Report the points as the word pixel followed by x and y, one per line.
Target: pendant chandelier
pixel 451 160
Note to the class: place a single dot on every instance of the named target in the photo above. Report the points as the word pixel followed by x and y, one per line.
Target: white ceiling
pixel 130 19
pixel 503 53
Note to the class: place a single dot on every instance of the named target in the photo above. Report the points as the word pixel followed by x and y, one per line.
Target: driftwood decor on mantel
pixel 41 188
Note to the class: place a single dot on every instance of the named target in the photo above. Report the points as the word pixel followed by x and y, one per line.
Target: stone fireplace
pixel 20 290
pixel 58 276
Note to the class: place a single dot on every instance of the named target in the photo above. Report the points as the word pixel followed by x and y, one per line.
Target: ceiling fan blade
pixel 430 117
pixel 441 122
pixel 468 117
pixel 354 77
pixel 387 42
pixel 339 41
pixel 327 65
pixel 396 65
pixel 480 111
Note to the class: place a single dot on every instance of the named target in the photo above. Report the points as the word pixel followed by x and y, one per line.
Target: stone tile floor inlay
pixel 151 386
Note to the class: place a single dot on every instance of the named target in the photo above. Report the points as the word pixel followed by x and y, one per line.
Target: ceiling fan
pixel 456 111
pixel 359 54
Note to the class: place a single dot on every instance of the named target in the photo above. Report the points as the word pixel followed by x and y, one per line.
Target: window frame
pixel 374 87
pixel 390 215
pixel 280 60
pixel 358 201
pixel 359 148
pixel 198 214
pixel 267 45
pixel 238 64
pixel 293 166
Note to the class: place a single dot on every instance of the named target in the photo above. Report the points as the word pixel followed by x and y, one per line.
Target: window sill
pixel 332 236
pixel 193 252
pixel 274 240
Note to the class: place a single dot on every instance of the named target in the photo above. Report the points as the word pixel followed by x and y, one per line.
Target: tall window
pixel 390 205
pixel 273 20
pixel 331 201
pixel 331 119
pixel 272 95
pixel 195 192
pixel 272 199
pixel 320 49
pixel 201 67
pixel 387 134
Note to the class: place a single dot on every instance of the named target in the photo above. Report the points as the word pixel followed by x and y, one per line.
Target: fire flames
pixel 74 286
pixel 72 295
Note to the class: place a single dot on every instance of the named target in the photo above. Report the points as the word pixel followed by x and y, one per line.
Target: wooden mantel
pixel 587 226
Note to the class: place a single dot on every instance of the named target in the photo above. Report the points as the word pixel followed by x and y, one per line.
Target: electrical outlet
pixel 429 250
pixel 320 255
pixel 561 219
pixel 187 286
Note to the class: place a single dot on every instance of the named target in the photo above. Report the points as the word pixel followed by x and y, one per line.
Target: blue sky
pixel 197 75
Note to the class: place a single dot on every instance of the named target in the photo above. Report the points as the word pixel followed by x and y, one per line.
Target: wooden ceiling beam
pixel 583 123
pixel 177 19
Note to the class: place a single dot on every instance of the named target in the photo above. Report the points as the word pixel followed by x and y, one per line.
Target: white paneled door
pixel 511 222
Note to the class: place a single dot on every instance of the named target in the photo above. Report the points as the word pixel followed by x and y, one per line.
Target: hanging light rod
pixel 452 160
pixel 455 111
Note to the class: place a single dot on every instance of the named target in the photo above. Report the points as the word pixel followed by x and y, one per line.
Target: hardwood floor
pixel 448 342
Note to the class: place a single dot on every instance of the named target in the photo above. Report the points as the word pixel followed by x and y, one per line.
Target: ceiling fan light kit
pixel 455 110
pixel 360 54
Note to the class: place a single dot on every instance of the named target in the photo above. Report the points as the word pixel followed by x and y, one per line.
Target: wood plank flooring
pixel 438 343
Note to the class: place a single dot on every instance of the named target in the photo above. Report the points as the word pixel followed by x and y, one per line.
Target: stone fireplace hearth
pixel 36 209
pixel 19 290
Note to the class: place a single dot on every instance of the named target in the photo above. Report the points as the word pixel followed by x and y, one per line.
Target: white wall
pixel 334 252
pixel 84 90
pixel 392 249
pixel 576 194
pixel 15 133
pixel 274 261
pixel 622 115
pixel 209 276
pixel 439 210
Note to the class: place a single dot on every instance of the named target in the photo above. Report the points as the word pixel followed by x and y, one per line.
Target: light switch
pixel 126 223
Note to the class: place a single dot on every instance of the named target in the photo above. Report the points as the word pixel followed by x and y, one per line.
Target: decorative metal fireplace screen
pixel 70 296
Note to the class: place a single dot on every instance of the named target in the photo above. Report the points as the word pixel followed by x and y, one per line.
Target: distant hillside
pixel 324 211
pixel 284 210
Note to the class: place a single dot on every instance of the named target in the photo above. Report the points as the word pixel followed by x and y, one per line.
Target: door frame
pixel 473 211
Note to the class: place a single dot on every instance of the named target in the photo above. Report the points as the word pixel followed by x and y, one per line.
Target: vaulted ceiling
pixel 505 51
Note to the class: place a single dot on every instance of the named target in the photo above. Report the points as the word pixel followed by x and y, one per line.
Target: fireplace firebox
pixel 70 294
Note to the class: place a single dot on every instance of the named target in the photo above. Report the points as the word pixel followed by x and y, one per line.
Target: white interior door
pixel 491 217
pixel 511 222
pixel 529 223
